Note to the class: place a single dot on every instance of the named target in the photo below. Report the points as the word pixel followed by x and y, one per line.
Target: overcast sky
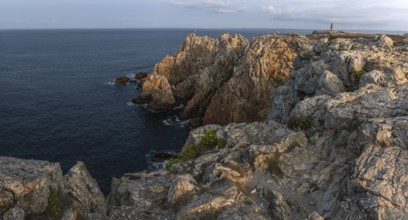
pixel 311 14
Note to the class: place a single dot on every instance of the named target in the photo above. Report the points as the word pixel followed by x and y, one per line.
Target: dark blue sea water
pixel 57 102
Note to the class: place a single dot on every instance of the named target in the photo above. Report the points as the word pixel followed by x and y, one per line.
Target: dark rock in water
pixel 122 80
pixel 141 75
pixel 162 156
pixel 195 122
pixel 139 100
pixel 140 84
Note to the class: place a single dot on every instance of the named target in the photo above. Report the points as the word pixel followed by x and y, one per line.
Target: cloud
pixel 216 6
pixel 272 11
pixel 344 13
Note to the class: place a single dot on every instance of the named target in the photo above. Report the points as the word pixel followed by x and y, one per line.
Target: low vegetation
pixel 357 76
pixel 54 207
pixel 274 166
pixel 208 142
pixel 302 123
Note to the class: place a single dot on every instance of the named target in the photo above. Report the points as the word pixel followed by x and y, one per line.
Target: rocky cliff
pixel 32 189
pixel 335 145
pixel 222 81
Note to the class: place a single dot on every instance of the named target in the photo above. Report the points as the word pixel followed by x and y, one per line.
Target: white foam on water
pixel 181 106
pixel 130 103
pixel 110 83
pixel 131 75
pixel 175 121
pixel 168 122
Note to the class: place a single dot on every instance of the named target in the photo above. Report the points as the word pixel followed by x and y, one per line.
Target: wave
pixel 175 121
pixel 181 106
pixel 130 104
pixel 110 83
pixel 158 159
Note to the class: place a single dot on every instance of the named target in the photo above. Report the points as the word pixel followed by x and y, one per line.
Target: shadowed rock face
pixel 266 64
pixel 31 189
pixel 192 77
pixel 224 80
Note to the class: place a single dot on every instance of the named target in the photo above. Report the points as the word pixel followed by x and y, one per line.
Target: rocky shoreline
pixel 310 127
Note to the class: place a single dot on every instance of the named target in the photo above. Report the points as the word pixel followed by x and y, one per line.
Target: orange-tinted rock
pixel 246 96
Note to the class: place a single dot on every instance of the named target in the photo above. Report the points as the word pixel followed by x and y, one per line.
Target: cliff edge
pixel 334 144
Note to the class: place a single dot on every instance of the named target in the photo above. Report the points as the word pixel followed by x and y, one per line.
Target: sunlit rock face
pixel 222 81
pixel 32 189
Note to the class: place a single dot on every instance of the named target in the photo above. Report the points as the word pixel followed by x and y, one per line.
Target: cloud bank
pixel 216 6
pixel 363 13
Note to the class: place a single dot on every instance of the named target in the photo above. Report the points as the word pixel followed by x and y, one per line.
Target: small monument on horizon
pixel 331 26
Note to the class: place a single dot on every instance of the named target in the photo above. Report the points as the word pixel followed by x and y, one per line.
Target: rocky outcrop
pixel 140 196
pixel 123 80
pixel 32 189
pixel 335 145
pixel 338 66
pixel 193 75
pixel 266 64
pixel 222 81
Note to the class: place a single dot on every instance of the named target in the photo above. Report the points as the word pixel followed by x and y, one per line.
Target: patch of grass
pixel 302 123
pixel 357 75
pixel 221 142
pixel 291 147
pixel 248 201
pixel 273 165
pixel 274 168
pixel 208 142
pixel 351 88
pixel 54 207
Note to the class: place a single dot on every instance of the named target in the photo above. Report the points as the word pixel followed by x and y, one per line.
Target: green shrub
pixel 208 142
pixel 274 168
pixel 188 153
pixel 221 142
pixel 54 207
pixel 357 75
pixel 302 123
pixel 273 165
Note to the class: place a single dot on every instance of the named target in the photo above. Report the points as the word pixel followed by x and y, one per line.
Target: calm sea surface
pixel 57 101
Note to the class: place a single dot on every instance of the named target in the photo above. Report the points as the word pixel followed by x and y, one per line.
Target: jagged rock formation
pixel 32 189
pixel 245 97
pixel 191 78
pixel 341 155
pixel 335 145
pixel 222 81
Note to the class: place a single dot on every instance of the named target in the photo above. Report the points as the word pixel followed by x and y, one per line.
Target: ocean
pixel 58 101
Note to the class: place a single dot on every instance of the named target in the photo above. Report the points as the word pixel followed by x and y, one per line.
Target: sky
pixel 287 14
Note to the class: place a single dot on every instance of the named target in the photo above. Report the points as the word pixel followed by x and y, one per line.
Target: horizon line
pixel 190 28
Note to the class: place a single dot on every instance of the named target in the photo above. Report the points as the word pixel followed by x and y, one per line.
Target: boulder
pixel 123 80
pixel 140 75
pixel 26 185
pixel 140 196
pixel 83 192
pixel 329 84
pixel 182 191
